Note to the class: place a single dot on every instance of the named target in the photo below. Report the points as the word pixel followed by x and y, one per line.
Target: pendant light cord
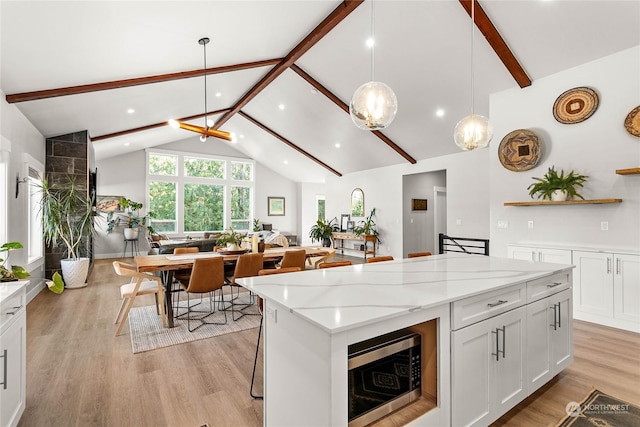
pixel 473 24
pixel 373 41
pixel 204 46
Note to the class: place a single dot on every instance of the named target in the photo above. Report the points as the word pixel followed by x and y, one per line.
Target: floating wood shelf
pixel 630 171
pixel 567 202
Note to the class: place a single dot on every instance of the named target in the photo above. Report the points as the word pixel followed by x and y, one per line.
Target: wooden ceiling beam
pixel 153 126
pixel 496 41
pixel 339 13
pixel 287 142
pixel 326 92
pixel 118 84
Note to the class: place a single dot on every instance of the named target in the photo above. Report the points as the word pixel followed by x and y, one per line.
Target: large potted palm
pixel 68 220
pixel 321 231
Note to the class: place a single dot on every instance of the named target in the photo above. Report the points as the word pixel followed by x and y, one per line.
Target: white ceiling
pixel 423 52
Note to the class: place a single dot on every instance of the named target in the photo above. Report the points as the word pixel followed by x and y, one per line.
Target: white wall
pixel 467 182
pixel 595 147
pixel 125 175
pixel 309 193
pixel 23 138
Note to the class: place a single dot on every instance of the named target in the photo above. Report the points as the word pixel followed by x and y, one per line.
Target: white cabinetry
pixel 549 338
pixel 539 254
pixel 13 321
pixel 607 289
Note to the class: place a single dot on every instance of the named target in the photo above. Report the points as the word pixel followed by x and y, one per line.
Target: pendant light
pixel 473 131
pixel 207 130
pixel 373 105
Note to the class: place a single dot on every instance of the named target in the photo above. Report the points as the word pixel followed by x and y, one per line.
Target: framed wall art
pixel 275 206
pixel 418 204
pixel 108 203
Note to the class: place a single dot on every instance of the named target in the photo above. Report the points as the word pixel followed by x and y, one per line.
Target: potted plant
pixel 368 227
pixel 68 219
pixel 231 238
pixel 131 218
pixel 321 231
pixel 557 187
pixel 16 272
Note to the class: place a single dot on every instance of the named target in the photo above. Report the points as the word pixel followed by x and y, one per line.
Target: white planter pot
pixel 131 233
pixel 74 272
pixel 233 247
pixel 559 196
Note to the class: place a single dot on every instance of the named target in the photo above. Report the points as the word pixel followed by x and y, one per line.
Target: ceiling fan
pixel 207 130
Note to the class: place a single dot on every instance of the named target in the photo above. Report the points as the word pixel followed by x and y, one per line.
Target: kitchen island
pixel 479 318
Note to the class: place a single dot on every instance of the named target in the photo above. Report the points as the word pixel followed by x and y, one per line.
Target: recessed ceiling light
pixel 131 111
pixel 440 112
pixel 314 91
pixel 218 94
pixel 370 42
pixel 337 145
pixel 281 106
pixel 241 135
pixel 126 144
pixel 286 162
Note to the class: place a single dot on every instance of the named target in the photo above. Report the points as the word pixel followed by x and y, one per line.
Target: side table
pixel 134 247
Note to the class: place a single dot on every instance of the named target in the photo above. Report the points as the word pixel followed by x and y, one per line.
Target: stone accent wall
pixel 66 154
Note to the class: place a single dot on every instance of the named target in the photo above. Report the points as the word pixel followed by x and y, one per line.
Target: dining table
pixel 166 264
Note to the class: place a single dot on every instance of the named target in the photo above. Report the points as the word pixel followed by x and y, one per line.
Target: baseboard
pixel 607 321
pixel 33 292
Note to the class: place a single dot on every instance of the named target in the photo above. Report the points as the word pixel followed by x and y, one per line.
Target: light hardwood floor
pixel 79 374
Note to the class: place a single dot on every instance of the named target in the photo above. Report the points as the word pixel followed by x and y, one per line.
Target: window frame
pixel 181 179
pixel 35 251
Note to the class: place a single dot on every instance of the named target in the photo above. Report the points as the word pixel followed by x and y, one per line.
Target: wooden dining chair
pixel 315 262
pixel 140 284
pixel 334 264
pixel 207 277
pixel 379 259
pixel 265 272
pixel 418 254
pixel 294 258
pixel 247 265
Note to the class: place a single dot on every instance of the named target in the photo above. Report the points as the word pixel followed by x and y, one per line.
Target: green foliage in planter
pixel 230 236
pixel 256 224
pixel 368 226
pixel 16 272
pixel 322 229
pixel 552 181
pixel 131 217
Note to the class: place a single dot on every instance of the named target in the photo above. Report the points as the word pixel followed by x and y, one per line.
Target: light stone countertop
pixel 9 289
pixel 342 298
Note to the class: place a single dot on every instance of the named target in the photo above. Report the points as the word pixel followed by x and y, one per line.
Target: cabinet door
pixel 539 320
pixel 522 252
pixel 471 368
pixel 509 383
pixel 562 333
pixel 12 371
pixel 593 286
pixel 627 288
pixel 559 256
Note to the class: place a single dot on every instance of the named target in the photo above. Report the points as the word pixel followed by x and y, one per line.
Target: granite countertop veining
pixel 338 299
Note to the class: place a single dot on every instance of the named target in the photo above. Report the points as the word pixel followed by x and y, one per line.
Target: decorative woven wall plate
pixel 632 122
pixel 575 105
pixel 520 150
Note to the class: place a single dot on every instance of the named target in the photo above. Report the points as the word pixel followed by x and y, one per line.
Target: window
pixel 320 205
pixel 193 193
pixel 4 188
pixel 34 171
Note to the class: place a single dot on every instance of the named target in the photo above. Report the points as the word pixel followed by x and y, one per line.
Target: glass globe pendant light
pixel 473 131
pixel 373 105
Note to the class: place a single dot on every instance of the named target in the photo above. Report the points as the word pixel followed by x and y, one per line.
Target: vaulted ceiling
pixel 282 73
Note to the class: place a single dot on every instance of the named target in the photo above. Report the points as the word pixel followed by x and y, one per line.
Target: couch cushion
pixel 204 245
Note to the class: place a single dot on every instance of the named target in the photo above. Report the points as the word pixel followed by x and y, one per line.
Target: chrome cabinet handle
pixel 555 318
pixel 608 265
pixel 4 382
pixel 498 351
pixel 559 315
pixel 554 284
pixel 618 266
pixel 533 255
pixel 15 310
pixel 495 304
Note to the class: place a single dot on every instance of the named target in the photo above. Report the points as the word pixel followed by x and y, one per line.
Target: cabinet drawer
pixel 10 308
pixel 542 288
pixel 474 309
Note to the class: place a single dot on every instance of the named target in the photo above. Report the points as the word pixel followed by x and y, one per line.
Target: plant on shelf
pixel 16 272
pixel 68 220
pixel 256 224
pixel 368 227
pixel 557 187
pixel 130 217
pixel 231 238
pixel 322 229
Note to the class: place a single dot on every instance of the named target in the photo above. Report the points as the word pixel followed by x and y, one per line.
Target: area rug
pixel 147 333
pixel 599 409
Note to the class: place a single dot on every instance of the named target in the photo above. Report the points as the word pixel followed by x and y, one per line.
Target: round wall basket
pixel 632 122
pixel 575 105
pixel 520 150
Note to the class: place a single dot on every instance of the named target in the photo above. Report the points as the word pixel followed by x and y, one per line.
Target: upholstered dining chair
pixel 294 258
pixel 334 264
pixel 265 272
pixel 418 254
pixel 184 274
pixel 140 284
pixel 379 259
pixel 247 265
pixel 207 276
